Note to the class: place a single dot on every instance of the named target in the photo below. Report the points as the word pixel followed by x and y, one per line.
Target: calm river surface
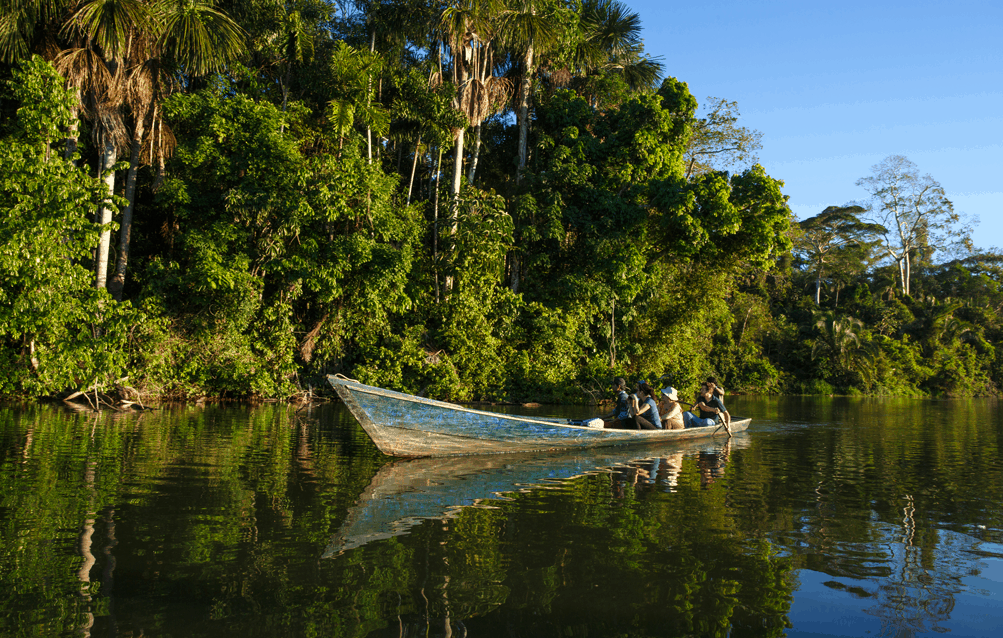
pixel 831 516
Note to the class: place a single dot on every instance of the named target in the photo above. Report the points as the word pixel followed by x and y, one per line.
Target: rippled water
pixel 851 517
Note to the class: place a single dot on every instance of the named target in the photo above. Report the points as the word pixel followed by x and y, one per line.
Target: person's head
pixel 670 394
pixel 619 383
pixel 646 389
pixel 711 382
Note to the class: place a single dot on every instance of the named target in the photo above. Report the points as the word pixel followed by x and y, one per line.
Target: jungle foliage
pixel 474 201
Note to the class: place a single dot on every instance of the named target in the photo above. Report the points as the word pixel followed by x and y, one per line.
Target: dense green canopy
pixel 476 200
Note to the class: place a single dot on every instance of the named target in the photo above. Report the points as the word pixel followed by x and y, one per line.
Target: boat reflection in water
pixel 406 492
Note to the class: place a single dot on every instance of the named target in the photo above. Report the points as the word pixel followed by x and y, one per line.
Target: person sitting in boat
pixel 644 410
pixel 620 415
pixel 669 410
pixel 718 392
pixel 707 408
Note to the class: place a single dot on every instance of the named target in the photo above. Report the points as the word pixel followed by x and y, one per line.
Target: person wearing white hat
pixel 669 409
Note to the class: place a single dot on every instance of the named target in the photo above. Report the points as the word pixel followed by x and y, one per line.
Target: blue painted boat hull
pixel 405 425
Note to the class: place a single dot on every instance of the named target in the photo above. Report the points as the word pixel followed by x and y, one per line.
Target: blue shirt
pixel 622 401
pixel 652 413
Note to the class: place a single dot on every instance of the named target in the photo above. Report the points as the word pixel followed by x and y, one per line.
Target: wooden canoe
pixel 406 492
pixel 405 425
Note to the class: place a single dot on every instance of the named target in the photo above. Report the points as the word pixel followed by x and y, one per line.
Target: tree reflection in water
pixel 211 522
pixel 644 547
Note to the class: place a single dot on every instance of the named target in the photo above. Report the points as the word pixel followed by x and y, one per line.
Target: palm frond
pixel 527 24
pixel 86 71
pixel 200 37
pixel 108 23
pixel 20 21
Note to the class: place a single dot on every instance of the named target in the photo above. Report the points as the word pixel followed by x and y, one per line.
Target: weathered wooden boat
pixel 405 425
pixel 406 492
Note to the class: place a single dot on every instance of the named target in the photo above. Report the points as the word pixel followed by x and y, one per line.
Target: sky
pixel 837 87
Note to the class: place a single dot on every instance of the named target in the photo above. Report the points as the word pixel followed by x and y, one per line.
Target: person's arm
pixel 641 407
pixel 616 405
pixel 704 407
pixel 719 407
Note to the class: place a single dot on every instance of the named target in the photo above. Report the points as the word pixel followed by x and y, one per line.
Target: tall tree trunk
pixel 458 168
pixel 907 273
pixel 117 283
pixel 477 152
pixel 524 91
pixel 435 226
pixel 902 275
pixel 369 100
pixel 745 323
pixel 414 167
pixel 109 156
pixel 818 288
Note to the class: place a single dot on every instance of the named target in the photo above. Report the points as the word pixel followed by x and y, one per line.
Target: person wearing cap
pixel 620 416
pixel 669 409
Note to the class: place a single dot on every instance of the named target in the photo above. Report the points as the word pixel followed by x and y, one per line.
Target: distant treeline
pixel 472 200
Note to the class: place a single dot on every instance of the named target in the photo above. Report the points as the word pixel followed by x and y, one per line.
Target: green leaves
pixel 45 102
pixel 482 237
pixel 58 331
pixel 718 142
pixel 351 87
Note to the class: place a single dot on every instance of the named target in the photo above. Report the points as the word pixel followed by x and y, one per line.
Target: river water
pixel 831 516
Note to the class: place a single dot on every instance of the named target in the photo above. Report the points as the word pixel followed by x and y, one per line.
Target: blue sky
pixel 837 87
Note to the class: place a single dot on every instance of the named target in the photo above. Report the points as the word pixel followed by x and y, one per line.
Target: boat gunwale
pixel 381 392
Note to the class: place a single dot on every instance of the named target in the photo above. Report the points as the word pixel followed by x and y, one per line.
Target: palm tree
pixel 349 85
pixel 840 339
pixel 530 27
pixel 610 42
pixel 607 39
pixel 470 30
pixel 121 59
pixel 100 29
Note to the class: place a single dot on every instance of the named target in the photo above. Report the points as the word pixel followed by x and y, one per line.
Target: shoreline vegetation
pixel 503 202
